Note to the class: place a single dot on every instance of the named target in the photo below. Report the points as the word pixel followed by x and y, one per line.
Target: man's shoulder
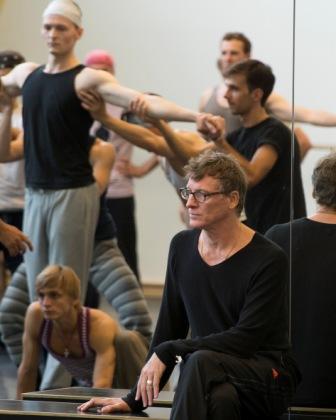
pixel 99 318
pixel 282 231
pixel 268 248
pixel 17 77
pixel 271 123
pixel 205 97
pixel 185 236
pixel 89 78
pixel 183 243
pixel 34 319
pixel 271 131
pixel 34 309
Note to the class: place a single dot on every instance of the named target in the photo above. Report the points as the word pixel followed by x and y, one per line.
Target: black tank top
pixel 56 132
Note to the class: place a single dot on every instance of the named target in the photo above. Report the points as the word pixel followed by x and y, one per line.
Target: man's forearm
pixel 158 107
pixel 139 136
pixel 161 108
pixel 5 132
pixel 26 381
pixel 223 145
pixel 184 145
pixel 315 117
pixel 282 109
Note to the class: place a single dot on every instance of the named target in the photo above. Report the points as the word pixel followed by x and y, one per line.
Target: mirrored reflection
pixel 313 238
pixel 172 48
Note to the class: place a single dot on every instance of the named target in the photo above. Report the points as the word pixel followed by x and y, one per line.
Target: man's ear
pixel 234 199
pixel 257 94
pixel 79 32
pixel 77 304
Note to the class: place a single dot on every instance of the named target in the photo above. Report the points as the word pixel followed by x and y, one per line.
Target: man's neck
pixel 255 116
pixel 58 64
pixel 324 215
pixel 68 323
pixel 217 245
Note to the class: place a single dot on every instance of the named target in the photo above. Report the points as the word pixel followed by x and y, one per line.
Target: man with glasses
pixel 228 285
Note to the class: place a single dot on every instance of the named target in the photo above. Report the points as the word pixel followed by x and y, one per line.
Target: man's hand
pixel 105 405
pixel 94 103
pixel 211 126
pixel 13 239
pixel 139 106
pixel 149 381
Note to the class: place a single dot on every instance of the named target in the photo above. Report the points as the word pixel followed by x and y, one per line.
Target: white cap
pixel 66 8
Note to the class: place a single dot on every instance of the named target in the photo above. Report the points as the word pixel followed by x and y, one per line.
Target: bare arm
pixel 11 140
pixel 258 167
pixel 127 168
pixel 102 156
pixel 206 95
pixel 27 372
pixel 255 169
pixel 282 109
pixel 184 144
pixel 112 92
pixel 11 83
pixel 103 332
pixel 139 136
pixel 304 142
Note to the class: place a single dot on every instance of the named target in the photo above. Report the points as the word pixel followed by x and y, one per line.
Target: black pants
pixel 13 218
pixel 217 386
pixel 123 213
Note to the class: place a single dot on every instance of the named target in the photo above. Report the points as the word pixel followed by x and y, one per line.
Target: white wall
pixel 170 47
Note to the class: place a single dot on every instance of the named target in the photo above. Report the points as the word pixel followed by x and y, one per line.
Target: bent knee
pixel 201 358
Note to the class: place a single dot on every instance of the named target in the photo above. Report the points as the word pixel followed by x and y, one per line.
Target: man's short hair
pixel 60 277
pixel 239 36
pixel 222 167
pixel 258 76
pixel 324 181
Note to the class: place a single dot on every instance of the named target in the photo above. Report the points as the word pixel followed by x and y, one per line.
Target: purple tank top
pixel 81 368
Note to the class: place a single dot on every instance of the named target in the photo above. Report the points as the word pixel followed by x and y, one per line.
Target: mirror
pixel 313 243
pixel 171 48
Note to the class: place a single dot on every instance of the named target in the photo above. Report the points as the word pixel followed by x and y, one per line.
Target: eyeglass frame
pixel 204 194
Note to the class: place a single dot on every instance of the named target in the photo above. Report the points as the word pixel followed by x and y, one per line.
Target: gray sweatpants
pixel 61 225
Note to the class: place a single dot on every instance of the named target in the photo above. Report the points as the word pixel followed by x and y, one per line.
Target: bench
pixel 47 410
pixel 81 394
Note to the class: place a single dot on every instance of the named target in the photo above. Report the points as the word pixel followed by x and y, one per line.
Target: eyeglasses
pixel 199 195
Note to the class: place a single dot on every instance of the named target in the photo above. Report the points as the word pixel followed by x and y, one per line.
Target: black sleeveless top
pixel 56 131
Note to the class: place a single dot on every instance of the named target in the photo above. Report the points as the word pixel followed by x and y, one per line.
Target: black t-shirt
pixel 313 291
pixel 56 131
pixel 239 306
pixel 268 202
